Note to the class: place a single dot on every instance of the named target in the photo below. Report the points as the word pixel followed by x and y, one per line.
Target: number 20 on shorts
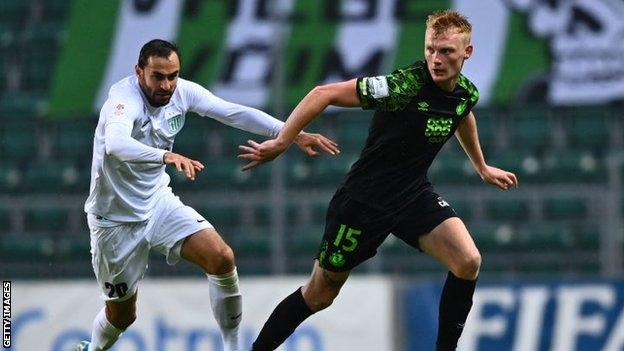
pixel 351 233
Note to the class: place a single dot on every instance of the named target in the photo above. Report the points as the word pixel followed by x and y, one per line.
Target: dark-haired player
pixel 131 209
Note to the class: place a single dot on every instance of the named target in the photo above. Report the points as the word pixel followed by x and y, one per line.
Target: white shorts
pixel 120 251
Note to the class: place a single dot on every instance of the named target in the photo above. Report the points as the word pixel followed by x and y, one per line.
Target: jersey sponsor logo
pixel 438 128
pixel 378 87
pixel 423 106
pixel 174 123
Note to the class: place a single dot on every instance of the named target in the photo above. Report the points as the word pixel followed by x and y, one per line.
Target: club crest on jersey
pixel 174 123
pixel 337 259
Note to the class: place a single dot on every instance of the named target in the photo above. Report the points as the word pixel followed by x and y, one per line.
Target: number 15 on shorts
pixel 350 241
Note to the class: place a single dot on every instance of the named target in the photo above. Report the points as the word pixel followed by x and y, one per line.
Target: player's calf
pixel 455 304
pixel 323 287
pixel 121 314
pixel 226 303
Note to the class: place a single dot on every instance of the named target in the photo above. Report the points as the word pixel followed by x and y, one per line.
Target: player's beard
pixel 154 97
pixel 157 100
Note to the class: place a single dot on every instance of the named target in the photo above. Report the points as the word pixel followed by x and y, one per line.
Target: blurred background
pixel 551 79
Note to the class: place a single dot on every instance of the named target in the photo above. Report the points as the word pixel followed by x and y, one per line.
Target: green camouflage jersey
pixel 413 119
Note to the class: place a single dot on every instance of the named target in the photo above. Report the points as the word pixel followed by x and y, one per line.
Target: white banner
pixel 175 315
pixel 585 38
pixel 489 34
pixel 380 32
pixel 138 23
pixel 251 42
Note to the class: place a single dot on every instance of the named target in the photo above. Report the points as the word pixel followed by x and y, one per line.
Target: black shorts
pixel 354 230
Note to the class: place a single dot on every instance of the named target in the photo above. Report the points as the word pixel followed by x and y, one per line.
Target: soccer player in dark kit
pixel 417 109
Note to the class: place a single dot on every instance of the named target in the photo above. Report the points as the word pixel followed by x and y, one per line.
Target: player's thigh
pixel 353 232
pixel 431 225
pixel 207 249
pixel 421 216
pixel 451 243
pixel 171 224
pixel 119 258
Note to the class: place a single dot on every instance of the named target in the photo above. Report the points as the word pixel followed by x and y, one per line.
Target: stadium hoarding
pixel 520 315
pixel 560 53
pixel 515 315
pixel 175 314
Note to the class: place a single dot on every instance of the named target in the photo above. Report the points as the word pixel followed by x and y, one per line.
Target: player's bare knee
pixel 221 262
pixel 321 301
pixel 320 295
pixel 469 267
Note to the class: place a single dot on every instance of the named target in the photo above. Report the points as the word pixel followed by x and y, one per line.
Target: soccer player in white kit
pixel 131 209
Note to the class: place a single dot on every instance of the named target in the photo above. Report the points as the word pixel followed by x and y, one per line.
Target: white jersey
pixel 131 138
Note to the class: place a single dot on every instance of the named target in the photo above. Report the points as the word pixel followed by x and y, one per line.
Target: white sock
pixel 104 334
pixel 226 303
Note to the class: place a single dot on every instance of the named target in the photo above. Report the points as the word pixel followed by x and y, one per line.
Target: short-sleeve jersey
pixel 413 119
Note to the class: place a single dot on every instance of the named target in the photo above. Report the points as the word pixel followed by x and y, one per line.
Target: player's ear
pixel 468 52
pixel 138 70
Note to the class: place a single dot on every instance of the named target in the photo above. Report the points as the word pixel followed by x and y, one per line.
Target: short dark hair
pixel 158 48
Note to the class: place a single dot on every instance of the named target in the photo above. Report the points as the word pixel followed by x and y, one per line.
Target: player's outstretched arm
pixel 469 139
pixel 183 164
pixel 307 142
pixel 341 94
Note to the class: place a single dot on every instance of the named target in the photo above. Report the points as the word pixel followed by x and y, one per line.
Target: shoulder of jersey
pixel 125 97
pixel 126 87
pixel 465 83
pixel 184 82
pixel 413 77
pixel 186 87
pixel 418 70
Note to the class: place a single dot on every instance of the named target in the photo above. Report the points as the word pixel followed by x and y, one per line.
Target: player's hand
pixel 498 177
pixel 183 164
pixel 308 141
pixel 258 154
